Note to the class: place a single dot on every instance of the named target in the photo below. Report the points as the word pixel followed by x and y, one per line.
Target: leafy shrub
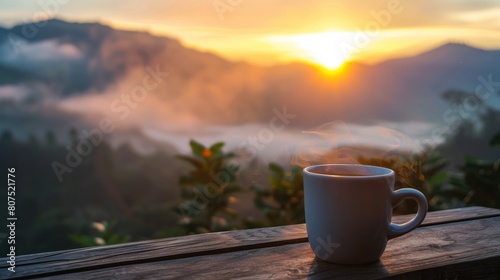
pixel 207 189
pixel 283 203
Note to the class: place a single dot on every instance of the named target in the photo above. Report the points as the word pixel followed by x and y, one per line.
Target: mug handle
pixel 398 196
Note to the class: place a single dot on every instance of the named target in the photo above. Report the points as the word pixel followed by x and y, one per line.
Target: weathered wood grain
pixel 53 263
pixel 463 250
pixel 452 215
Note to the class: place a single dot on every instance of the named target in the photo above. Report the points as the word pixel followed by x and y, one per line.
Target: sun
pixel 325 49
pixel 328 49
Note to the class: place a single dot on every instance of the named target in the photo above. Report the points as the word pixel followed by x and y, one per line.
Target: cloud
pixel 38 53
pixel 48 58
pixel 14 93
pixel 484 17
pixel 269 17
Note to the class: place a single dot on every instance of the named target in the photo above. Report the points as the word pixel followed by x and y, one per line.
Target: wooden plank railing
pixel 462 242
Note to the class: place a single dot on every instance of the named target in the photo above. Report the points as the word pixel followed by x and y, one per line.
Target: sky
pixel 268 32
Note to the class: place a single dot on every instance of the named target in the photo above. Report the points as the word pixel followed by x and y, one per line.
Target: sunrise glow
pixel 327 49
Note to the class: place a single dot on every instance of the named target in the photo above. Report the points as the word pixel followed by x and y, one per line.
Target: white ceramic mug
pixel 348 211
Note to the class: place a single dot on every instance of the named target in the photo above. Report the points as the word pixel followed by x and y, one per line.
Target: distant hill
pixel 86 66
pixel 421 79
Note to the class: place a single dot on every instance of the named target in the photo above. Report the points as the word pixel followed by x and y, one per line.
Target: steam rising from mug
pixel 338 142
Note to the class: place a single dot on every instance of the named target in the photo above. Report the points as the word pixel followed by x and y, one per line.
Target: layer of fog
pixel 283 146
pixel 280 140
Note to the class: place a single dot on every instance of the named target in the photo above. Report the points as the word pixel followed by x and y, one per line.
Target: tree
pixel 7 137
pixel 50 139
pixel 207 189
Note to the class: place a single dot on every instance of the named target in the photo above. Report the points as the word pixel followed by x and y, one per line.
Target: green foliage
pixel 483 179
pixel 476 181
pixel 424 172
pixel 480 180
pixel 207 189
pixel 283 203
pixel 7 137
pixel 136 191
pixel 102 235
pixel 468 130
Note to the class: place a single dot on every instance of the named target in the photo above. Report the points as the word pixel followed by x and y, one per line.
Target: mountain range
pixel 58 74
